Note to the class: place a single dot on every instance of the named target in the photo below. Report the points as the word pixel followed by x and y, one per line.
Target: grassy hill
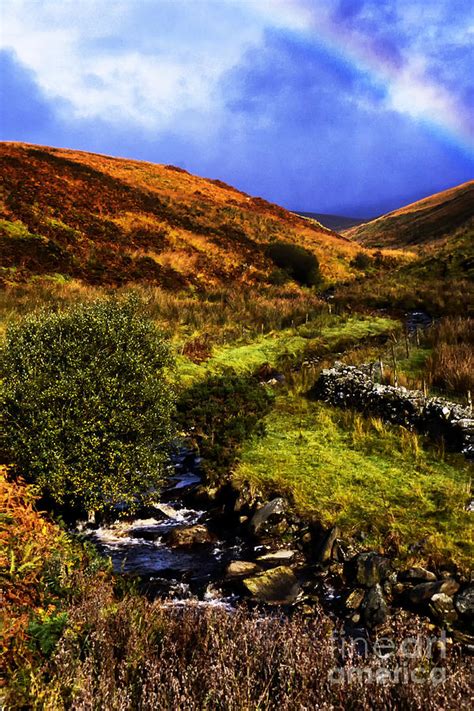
pixel 111 221
pixel 423 224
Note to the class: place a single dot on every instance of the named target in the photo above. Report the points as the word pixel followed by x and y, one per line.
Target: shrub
pixel 361 261
pixel 301 264
pixel 86 405
pixel 221 413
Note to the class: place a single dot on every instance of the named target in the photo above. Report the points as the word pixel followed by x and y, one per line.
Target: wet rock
pixel 325 552
pixel 241 568
pixel 374 608
pixel 190 536
pixel 425 591
pixel 442 608
pixel 464 602
pixel 354 599
pixel 272 509
pixel 417 575
pixel 369 568
pixel 280 557
pixel 275 586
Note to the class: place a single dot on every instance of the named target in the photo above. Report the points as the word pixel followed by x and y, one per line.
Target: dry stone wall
pixel 349 386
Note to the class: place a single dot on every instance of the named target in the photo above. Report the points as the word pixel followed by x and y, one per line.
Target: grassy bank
pixel 378 483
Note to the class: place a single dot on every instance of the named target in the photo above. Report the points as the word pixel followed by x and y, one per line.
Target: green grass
pixel 325 334
pixel 368 478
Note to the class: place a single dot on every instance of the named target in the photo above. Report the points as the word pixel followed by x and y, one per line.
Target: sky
pixel 350 107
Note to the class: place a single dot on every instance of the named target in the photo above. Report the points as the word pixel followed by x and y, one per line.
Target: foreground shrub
pixel 221 413
pixel 86 405
pixel 301 264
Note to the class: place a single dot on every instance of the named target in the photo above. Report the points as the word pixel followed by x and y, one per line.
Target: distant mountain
pixel 107 220
pixel 338 223
pixel 423 224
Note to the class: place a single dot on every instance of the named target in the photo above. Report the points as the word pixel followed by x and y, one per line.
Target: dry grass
pixel 451 364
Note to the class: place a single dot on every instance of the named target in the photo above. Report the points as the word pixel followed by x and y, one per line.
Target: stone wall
pixel 348 386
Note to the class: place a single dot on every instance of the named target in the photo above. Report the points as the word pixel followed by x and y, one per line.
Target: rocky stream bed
pixel 202 546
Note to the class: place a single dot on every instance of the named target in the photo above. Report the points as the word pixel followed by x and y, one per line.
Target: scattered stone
pixel 275 586
pixel 241 568
pixel 190 536
pixel 464 602
pixel 278 557
pixel 425 591
pixel 417 575
pixel 272 508
pixel 442 607
pixel 374 608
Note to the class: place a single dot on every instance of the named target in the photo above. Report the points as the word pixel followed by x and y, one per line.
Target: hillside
pixel 422 224
pixel 107 220
pixel 338 223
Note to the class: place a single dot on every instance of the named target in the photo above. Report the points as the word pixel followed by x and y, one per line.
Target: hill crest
pixel 108 220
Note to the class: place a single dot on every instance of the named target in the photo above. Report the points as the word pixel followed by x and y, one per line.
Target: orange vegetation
pixel 107 220
pixel 423 223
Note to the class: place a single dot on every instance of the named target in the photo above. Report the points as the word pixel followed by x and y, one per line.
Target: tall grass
pixel 451 364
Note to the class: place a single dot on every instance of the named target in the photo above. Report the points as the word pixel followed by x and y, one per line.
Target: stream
pixel 139 547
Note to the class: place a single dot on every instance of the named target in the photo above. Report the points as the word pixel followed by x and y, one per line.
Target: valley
pixel 358 511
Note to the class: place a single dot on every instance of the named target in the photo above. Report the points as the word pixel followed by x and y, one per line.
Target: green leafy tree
pixel 86 404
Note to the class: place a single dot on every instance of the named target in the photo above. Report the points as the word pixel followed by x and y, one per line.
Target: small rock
pixel 354 599
pixel 275 586
pixel 374 607
pixel 272 508
pixel 240 568
pixel 278 557
pixel 418 575
pixel 190 536
pixel 442 607
pixel 464 602
pixel 425 591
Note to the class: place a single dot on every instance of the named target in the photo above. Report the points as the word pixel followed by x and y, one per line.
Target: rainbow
pixel 407 90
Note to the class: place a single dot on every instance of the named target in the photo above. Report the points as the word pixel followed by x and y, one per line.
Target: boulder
pixel 241 568
pixel 275 586
pixel 374 608
pixel 190 536
pixel 273 508
pixel 425 591
pixel 417 575
pixel 464 602
pixel 370 568
pixel 442 608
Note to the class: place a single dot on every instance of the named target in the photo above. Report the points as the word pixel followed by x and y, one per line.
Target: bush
pixel 362 261
pixel 221 413
pixel 86 405
pixel 301 264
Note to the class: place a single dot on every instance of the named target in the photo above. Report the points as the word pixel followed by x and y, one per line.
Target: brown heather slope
pixel 113 221
pixel 423 224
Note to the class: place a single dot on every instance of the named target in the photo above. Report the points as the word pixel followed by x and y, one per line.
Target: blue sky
pixel 345 106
